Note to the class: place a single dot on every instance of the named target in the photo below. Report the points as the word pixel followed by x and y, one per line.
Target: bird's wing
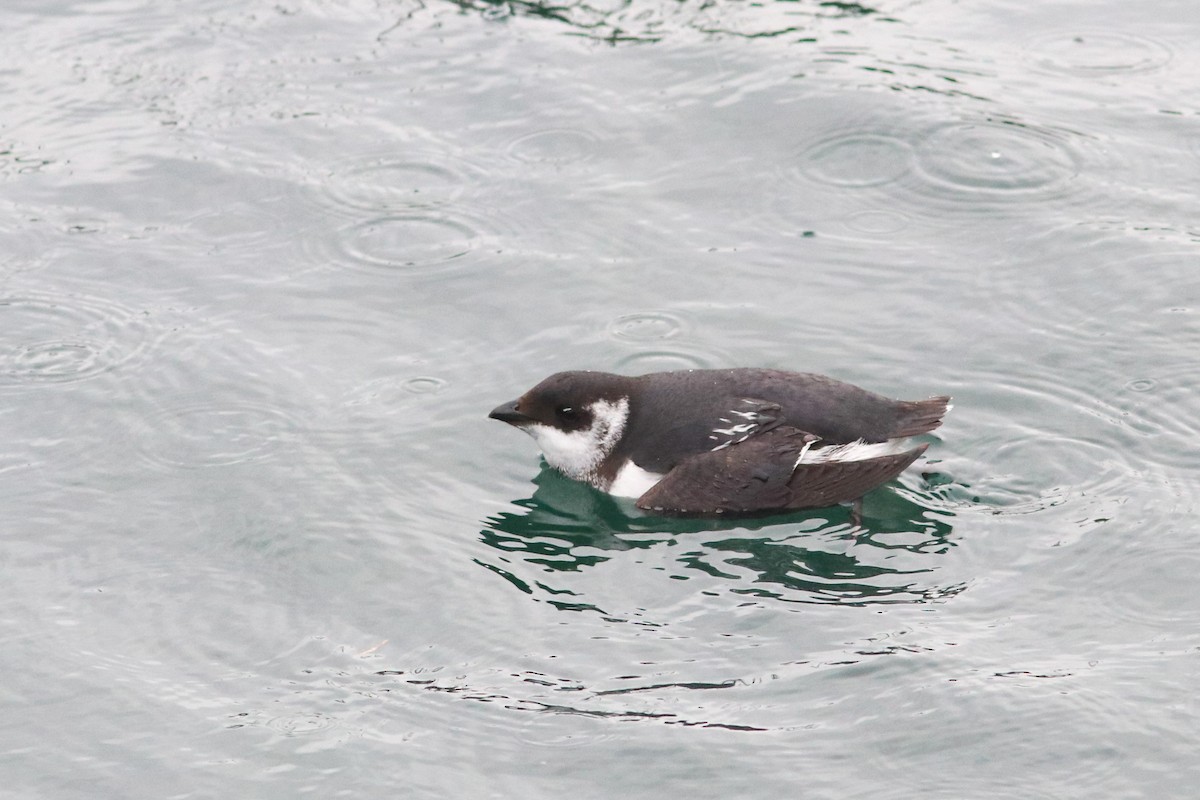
pixel 763 473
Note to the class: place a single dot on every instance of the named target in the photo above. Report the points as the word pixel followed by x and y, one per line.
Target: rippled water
pixel 265 268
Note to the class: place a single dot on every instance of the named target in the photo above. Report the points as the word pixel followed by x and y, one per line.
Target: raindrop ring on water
pixel 215 435
pixel 858 160
pixel 384 184
pixel 410 243
pixel 1100 53
pixel 424 385
pixel 646 326
pixel 664 361
pixel 557 146
pixel 996 158
pixel 62 338
pixel 877 222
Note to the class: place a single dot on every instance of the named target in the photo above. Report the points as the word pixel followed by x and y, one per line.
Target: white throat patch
pixel 577 454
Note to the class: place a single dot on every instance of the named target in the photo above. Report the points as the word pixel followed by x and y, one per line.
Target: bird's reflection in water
pixel 819 556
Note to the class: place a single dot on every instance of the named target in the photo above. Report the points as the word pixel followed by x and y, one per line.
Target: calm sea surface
pixel 266 266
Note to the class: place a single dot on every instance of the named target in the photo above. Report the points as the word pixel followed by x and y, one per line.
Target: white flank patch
pixel 813 453
pixel 633 481
pixel 577 454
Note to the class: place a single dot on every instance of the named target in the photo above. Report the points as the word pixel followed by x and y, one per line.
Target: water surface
pixel 264 269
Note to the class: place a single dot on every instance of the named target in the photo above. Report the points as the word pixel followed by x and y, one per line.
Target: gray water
pixel 265 267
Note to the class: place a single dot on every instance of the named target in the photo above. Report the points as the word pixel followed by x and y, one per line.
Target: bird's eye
pixel 566 412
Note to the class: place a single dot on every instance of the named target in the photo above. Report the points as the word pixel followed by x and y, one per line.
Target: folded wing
pixel 765 473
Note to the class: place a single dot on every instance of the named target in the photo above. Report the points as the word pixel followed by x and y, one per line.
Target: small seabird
pixel 722 441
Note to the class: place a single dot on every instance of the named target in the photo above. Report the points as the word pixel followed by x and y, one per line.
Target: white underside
pixel 633 481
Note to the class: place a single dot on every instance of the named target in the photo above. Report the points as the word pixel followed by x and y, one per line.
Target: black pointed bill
pixel 507 412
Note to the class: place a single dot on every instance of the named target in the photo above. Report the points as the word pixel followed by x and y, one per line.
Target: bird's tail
pixel 920 416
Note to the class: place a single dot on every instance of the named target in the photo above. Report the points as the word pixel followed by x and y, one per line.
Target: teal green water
pixel 265 268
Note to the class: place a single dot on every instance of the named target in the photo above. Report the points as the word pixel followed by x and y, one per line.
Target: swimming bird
pixel 722 441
